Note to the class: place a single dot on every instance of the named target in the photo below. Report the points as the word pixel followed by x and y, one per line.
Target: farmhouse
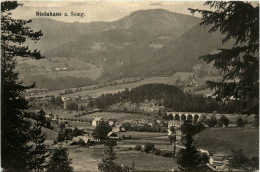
pixel 175 123
pixel 217 160
pixel 61 69
pixel 96 121
pixel 78 138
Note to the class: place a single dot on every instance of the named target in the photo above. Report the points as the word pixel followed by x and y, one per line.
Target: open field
pixel 160 140
pixel 120 116
pixel 225 139
pixel 142 135
pixel 87 159
pixel 147 161
pixel 95 92
pixel 117 88
pixel 75 68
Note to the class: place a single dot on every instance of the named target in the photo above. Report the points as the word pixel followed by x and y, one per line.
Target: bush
pixel 167 154
pixel 240 122
pixel 110 142
pixel 164 130
pixel 153 149
pixel 81 142
pixel 148 147
pixel 138 147
pixel 127 125
pixel 157 152
pixel 130 148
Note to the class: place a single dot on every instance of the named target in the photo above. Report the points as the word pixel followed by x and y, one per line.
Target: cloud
pixel 157 4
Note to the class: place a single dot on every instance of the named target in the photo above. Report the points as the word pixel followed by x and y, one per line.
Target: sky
pixel 99 10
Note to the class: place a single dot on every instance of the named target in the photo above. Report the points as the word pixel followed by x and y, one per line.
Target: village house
pixel 111 123
pixel 158 122
pixel 175 123
pixel 75 140
pixel 216 160
pixel 49 116
pixel 61 69
pixel 97 110
pixel 96 121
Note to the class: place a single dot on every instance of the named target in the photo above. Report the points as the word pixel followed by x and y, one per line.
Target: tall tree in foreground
pixel 238 21
pixel 189 159
pixel 60 161
pixel 39 155
pixel 15 128
pixel 108 164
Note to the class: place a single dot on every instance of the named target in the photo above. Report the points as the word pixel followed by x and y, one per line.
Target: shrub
pixel 138 147
pixel 130 148
pixel 81 142
pixel 110 142
pixel 148 147
pixel 240 122
pixel 126 125
pixel 167 154
pixel 153 149
pixel 157 152
pixel 164 130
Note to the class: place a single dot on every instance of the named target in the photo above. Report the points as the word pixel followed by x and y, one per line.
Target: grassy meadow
pixel 225 139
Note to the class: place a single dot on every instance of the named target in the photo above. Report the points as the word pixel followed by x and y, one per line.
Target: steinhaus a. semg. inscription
pixel 53 14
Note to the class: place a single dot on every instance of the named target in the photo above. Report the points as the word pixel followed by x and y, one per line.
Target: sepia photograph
pixel 129 86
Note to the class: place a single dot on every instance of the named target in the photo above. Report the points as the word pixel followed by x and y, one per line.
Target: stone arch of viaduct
pixel 182 116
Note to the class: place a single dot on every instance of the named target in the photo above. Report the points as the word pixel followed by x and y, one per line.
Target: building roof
pixel 98 118
pixel 77 139
pixel 112 134
pixel 218 158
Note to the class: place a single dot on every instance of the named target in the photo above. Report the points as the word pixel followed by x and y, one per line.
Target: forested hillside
pixel 168 96
pixel 146 43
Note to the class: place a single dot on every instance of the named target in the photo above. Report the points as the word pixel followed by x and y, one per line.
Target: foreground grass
pixel 225 139
pixel 87 159
pixel 146 161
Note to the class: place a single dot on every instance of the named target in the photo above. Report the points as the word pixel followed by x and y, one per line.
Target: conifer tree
pixel 108 164
pixel 60 161
pixel 39 155
pixel 189 159
pixel 41 117
pixel 238 21
pixel 15 128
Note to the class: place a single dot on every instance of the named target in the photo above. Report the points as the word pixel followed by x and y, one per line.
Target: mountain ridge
pixel 147 43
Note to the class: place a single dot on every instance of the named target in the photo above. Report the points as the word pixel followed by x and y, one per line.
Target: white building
pixel 96 121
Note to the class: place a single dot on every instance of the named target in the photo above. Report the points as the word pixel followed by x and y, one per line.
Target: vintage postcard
pixel 126 86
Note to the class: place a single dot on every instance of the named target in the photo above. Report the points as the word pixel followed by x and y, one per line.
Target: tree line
pixel 171 97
